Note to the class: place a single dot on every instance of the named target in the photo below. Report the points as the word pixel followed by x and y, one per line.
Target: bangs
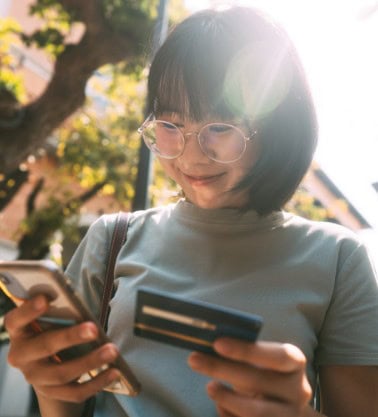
pixel 213 69
pixel 188 79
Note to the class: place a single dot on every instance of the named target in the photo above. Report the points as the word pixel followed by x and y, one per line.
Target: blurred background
pixel 72 93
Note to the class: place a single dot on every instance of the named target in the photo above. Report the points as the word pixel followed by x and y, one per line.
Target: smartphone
pixel 21 280
pixel 190 324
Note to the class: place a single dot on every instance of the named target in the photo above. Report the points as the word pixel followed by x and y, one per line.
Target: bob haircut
pixel 237 64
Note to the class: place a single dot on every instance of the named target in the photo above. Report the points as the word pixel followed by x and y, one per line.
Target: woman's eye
pixel 168 126
pixel 219 128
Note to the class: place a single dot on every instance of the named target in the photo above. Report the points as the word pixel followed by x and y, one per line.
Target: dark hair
pixel 239 63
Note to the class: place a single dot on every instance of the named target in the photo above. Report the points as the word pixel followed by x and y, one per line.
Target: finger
pixel 48 343
pixel 50 374
pixel 17 320
pixel 244 406
pixel 288 380
pixel 223 413
pixel 246 379
pixel 281 357
pixel 78 393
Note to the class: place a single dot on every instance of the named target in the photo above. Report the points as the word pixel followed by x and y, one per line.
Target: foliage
pixel 12 83
pixel 8 27
pixel 129 15
pixel 101 144
pixel 43 223
pixel 51 11
pixel 57 23
pixel 132 17
pixel 9 80
pixel 51 39
pixel 304 204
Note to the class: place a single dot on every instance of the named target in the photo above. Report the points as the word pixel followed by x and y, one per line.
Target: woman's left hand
pixel 255 379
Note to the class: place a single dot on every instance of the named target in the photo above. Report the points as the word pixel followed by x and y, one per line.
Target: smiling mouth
pixel 202 180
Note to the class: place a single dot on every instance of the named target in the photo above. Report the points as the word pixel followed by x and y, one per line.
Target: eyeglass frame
pixel 151 118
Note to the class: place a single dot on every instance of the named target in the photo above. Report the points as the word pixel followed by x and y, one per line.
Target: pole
pixel 143 180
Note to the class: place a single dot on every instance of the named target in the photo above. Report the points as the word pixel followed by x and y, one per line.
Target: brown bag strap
pixel 118 239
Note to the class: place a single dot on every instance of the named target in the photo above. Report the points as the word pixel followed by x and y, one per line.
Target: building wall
pixel 4 7
pixel 34 65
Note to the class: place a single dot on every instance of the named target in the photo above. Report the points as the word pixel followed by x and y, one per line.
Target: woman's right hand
pixel 31 353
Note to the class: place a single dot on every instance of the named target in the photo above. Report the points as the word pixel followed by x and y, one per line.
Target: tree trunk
pixel 65 92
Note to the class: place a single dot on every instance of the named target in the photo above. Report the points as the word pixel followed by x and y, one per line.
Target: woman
pixel 233 123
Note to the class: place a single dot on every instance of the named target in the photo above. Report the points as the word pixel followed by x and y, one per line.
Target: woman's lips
pixel 199 180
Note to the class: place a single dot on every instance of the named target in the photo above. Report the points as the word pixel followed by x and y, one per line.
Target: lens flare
pixel 257 81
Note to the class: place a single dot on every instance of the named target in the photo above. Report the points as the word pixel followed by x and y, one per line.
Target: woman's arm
pixel 49 407
pixel 349 391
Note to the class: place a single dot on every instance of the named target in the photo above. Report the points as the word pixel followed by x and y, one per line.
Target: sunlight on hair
pixel 222 6
pixel 257 82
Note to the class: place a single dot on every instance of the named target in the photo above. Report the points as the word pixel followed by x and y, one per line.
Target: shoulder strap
pixel 118 239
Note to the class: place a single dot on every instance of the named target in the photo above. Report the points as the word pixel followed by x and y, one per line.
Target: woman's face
pixel 206 183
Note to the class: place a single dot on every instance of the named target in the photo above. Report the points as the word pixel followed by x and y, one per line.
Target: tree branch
pixel 65 93
pixel 30 203
pixel 81 199
pixel 88 12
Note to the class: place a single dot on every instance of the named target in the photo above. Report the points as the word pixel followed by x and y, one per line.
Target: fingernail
pixel 108 353
pixel 113 377
pixel 87 332
pixel 39 304
pixel 211 389
pixel 223 346
pixel 195 360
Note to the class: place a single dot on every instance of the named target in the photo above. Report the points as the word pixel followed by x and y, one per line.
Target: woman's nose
pixel 192 151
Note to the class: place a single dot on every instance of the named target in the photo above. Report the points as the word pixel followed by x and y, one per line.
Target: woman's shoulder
pixel 107 221
pixel 326 228
pixel 330 239
pixel 323 233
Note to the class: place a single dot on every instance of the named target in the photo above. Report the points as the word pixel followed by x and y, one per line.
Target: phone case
pixel 190 324
pixel 21 280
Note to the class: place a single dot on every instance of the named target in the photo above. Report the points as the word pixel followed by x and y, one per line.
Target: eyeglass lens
pixel 220 142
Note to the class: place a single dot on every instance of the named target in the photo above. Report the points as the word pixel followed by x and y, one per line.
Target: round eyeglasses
pixel 221 142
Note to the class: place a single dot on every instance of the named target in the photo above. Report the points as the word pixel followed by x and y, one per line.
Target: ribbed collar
pixel 251 220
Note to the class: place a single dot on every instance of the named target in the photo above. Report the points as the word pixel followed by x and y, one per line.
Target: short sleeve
pixel 87 266
pixel 349 335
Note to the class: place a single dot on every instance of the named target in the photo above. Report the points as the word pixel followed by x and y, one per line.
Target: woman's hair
pixel 238 64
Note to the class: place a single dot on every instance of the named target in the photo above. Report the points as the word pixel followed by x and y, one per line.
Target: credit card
pixel 190 324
